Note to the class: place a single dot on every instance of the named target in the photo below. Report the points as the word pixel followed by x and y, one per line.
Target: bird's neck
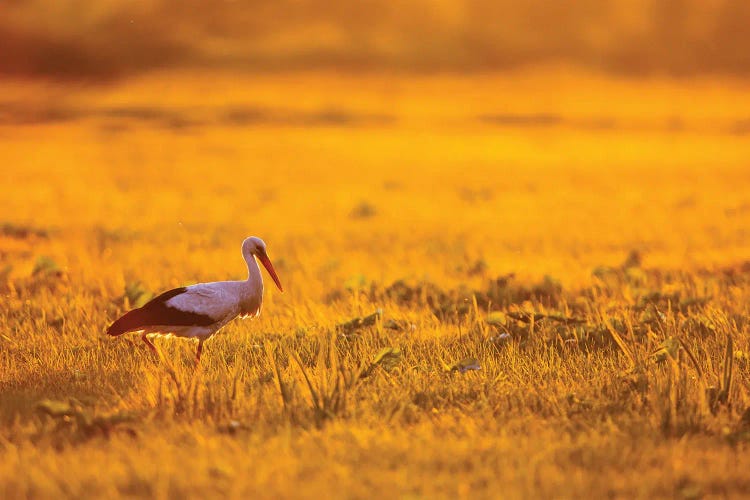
pixel 254 278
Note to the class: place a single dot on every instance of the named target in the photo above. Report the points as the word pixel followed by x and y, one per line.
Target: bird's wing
pixel 211 299
pixel 177 307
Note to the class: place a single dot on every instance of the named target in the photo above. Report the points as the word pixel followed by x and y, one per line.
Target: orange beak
pixel 269 267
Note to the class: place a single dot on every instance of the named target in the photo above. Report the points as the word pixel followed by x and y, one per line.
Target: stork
pixel 199 311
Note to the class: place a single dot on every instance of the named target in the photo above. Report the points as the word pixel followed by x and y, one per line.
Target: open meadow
pixel 503 285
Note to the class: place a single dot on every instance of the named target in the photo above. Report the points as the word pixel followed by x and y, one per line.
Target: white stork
pixel 199 311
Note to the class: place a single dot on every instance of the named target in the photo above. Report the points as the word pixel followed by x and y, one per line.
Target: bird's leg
pixel 149 343
pixel 199 351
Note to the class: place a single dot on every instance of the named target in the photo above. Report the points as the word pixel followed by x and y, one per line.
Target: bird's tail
pixel 129 322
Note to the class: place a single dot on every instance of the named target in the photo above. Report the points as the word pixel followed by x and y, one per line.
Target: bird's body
pixel 199 311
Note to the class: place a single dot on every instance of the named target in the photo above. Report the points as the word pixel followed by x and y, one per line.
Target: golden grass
pixel 415 196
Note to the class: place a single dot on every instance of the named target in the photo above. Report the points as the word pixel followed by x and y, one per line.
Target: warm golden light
pixel 513 239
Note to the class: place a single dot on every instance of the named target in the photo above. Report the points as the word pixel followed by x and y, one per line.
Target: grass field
pixel 560 266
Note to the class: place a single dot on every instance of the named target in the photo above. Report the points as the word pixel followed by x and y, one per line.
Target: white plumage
pixel 199 311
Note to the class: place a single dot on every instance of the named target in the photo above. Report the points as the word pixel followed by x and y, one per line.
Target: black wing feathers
pixel 157 313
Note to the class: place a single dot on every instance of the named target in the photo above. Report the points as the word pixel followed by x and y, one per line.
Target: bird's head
pixel 255 247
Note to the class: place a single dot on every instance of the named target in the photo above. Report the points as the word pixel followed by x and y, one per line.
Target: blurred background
pixel 536 137
pixel 114 38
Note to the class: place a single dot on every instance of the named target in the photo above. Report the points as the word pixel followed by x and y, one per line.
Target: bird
pixel 199 311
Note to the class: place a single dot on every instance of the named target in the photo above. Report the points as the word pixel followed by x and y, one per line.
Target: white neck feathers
pixel 253 272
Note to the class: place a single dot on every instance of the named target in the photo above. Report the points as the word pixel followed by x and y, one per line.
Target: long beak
pixel 269 267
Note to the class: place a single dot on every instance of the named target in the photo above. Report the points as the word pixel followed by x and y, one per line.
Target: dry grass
pixel 564 300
